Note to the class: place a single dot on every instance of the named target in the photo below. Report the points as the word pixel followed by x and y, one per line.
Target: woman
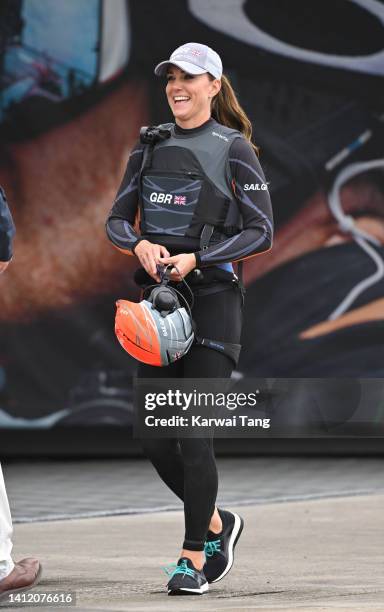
pixel 203 204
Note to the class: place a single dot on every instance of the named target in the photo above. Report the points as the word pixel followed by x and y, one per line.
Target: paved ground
pixel 323 554
pixel 313 536
pixel 44 490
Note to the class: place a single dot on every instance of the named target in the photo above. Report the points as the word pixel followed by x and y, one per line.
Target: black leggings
pixel 187 465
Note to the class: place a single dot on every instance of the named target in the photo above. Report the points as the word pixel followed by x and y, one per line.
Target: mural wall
pixel 77 83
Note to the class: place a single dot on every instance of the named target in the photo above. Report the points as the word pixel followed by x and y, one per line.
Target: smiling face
pixel 190 96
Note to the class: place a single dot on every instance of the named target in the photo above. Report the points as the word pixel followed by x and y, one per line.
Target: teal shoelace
pixel 172 569
pixel 211 547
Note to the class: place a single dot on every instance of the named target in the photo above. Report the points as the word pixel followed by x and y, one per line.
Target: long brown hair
pixel 227 110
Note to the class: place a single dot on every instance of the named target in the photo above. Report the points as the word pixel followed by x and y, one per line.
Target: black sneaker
pixel 219 547
pixel 185 579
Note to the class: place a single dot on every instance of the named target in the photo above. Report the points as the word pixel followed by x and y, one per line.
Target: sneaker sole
pixel 236 533
pixel 203 589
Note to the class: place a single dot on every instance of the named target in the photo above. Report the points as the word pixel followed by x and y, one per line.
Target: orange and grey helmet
pixel 153 336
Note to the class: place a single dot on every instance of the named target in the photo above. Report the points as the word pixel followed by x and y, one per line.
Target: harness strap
pixel 240 280
pixel 226 348
pixel 215 287
pixel 206 235
pixel 148 148
pixel 146 163
pixel 147 156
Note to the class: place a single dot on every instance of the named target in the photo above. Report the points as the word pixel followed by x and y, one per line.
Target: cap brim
pixel 161 69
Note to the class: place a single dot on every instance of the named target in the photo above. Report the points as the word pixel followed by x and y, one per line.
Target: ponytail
pixel 227 110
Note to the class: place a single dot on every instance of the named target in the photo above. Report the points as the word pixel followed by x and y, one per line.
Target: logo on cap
pixel 188 51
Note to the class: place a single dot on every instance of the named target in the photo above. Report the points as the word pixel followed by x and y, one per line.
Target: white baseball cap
pixel 193 58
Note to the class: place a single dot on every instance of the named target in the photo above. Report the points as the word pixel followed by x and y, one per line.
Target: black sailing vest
pixel 185 193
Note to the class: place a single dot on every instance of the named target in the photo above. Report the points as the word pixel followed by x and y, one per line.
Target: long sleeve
pixel 255 207
pixel 7 229
pixel 121 219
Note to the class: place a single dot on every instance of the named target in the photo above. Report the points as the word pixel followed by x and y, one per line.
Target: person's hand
pixel 3 266
pixel 185 262
pixel 149 255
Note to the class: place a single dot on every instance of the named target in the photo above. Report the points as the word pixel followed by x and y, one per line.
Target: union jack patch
pixel 179 199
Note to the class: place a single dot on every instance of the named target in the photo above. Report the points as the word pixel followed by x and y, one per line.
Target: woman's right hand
pixel 149 254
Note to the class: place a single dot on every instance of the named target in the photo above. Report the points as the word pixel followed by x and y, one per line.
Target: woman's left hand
pixel 185 262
